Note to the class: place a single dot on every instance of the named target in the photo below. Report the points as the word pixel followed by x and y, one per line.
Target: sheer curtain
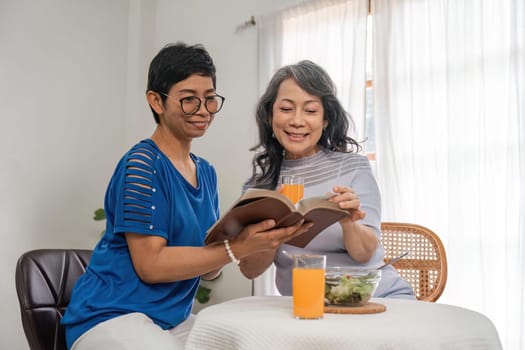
pixel 331 33
pixel 449 84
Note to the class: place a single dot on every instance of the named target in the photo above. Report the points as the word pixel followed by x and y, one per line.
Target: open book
pixel 256 205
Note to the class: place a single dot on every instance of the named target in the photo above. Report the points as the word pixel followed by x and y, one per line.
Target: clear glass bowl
pixel 350 286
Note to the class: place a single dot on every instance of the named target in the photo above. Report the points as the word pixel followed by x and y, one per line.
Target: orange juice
pixel 294 192
pixel 308 292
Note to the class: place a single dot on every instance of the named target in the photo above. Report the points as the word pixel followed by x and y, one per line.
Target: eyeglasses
pixel 191 104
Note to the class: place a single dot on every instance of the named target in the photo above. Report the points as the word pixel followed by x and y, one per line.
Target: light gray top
pixel 321 172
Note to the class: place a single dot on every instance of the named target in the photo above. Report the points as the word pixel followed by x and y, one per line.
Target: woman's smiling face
pixel 298 120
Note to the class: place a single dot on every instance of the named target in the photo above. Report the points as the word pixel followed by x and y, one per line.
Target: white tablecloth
pixel 253 323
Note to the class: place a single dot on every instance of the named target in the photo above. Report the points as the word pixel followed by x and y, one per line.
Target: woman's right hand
pixel 257 244
pixel 263 236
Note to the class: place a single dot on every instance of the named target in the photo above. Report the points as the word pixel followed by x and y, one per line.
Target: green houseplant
pixel 203 293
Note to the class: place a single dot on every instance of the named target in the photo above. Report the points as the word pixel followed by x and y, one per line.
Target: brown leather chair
pixel 44 281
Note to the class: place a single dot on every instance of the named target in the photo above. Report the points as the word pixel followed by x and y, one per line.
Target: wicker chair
pixel 425 268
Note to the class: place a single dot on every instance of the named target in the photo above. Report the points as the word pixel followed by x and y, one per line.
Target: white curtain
pixel 449 102
pixel 317 30
pixel 331 33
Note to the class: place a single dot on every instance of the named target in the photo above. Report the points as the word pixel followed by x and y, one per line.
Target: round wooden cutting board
pixel 369 308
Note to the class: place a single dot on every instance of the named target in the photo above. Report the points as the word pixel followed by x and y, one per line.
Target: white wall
pixel 72 81
pixel 62 102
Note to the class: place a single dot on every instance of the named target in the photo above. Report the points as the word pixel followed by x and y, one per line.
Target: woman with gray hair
pixel 303 131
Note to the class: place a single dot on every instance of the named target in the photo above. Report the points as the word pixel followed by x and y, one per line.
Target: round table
pixel 253 323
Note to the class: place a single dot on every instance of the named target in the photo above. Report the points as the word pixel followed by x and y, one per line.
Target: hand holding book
pixel 346 198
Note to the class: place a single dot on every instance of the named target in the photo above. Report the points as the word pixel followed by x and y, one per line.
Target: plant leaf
pixel 203 294
pixel 100 214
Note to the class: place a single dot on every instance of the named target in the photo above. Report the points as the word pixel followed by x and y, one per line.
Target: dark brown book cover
pixel 256 205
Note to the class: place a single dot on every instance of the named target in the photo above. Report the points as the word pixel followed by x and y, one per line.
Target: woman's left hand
pixel 348 200
pixel 360 241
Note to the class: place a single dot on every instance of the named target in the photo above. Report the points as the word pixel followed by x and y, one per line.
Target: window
pixel 326 34
pixel 370 145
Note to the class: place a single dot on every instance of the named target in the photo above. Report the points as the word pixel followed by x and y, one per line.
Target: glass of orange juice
pixel 292 187
pixel 308 286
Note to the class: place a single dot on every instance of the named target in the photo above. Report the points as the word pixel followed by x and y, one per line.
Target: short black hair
pixel 176 62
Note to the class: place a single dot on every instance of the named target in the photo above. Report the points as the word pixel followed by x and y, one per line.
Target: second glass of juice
pixel 308 286
pixel 292 187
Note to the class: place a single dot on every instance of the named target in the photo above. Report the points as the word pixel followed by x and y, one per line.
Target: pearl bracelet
pixel 230 253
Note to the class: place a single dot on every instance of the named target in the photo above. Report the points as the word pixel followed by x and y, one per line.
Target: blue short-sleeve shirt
pixel 146 195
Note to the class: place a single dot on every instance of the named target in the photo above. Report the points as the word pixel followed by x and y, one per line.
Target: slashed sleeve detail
pixel 138 187
pixel 141 199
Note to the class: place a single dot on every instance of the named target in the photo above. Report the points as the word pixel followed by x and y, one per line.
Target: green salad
pixel 349 290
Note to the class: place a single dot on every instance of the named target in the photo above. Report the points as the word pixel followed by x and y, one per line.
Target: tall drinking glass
pixel 308 286
pixel 292 187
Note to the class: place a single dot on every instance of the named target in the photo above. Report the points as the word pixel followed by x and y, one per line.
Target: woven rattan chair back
pixel 425 268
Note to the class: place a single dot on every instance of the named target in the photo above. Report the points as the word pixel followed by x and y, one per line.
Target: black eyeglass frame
pixel 206 99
